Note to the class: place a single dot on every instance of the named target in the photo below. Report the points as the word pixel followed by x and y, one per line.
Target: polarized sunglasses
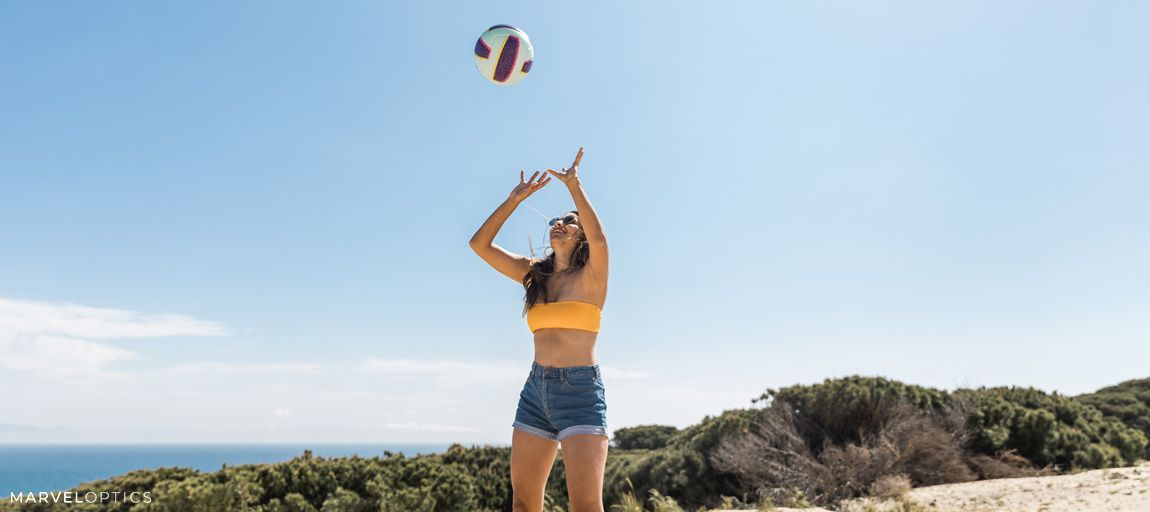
pixel 569 219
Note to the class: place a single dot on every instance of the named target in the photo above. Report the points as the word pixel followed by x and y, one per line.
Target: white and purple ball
pixel 503 54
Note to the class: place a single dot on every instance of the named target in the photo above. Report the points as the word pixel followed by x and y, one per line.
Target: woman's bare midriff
pixel 559 347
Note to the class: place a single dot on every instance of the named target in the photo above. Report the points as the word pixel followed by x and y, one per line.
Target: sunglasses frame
pixel 564 219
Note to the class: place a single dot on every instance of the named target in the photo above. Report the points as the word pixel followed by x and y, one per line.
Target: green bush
pixel 681 473
pixel 644 437
pixel 847 409
pixel 819 442
pixel 1128 402
pixel 1045 428
pixel 292 502
pixel 1050 429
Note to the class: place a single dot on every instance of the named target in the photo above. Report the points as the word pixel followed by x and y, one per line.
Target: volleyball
pixel 503 54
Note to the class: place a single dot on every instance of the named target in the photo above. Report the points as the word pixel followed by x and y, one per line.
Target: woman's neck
pixel 562 262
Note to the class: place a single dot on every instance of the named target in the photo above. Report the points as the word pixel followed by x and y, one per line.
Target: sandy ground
pixel 1102 490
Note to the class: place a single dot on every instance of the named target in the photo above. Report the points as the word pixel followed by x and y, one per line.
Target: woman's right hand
pixel 527 187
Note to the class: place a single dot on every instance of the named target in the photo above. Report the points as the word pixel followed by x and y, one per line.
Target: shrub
pixel 846 409
pixel 644 437
pixel 660 503
pixel 627 501
pixel 1127 402
pixel 344 500
pixel 818 443
pixel 771 455
pixel 890 486
pixel 678 472
pixel 1049 429
pixel 1004 465
pixel 775 460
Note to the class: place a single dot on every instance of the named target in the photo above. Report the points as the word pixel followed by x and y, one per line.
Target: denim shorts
pixel 558 402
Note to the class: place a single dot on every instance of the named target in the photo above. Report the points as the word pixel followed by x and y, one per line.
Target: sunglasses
pixel 569 219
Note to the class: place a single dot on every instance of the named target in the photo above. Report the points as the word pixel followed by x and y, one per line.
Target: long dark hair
pixel 535 281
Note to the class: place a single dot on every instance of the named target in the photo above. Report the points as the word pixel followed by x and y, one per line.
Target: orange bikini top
pixel 569 314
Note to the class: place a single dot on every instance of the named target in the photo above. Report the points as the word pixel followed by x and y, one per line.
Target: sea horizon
pixel 41 467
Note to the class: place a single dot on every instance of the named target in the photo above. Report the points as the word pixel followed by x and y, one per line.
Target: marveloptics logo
pixel 77 497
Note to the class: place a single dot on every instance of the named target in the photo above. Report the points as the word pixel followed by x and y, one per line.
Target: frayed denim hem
pixel 581 429
pixel 536 431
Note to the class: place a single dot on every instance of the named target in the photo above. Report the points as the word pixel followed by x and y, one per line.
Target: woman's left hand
pixel 570 174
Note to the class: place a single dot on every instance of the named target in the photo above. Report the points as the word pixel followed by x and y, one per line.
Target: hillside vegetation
pixel 801 445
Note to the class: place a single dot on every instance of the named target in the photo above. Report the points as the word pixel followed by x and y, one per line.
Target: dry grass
pixel 890 486
pixel 1006 465
pixel 902 504
pixel 775 460
pixel 1104 490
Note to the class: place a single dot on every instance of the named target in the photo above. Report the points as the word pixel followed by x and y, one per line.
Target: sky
pixel 246 222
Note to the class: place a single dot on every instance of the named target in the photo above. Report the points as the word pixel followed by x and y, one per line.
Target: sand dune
pixel 1102 490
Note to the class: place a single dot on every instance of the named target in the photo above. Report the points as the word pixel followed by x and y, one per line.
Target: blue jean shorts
pixel 558 402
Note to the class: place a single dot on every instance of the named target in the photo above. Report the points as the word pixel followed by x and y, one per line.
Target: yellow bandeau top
pixel 569 314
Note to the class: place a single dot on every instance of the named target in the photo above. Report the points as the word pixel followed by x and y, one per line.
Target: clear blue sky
pixel 248 221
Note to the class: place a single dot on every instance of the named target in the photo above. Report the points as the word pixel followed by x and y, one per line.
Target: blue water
pixel 35 468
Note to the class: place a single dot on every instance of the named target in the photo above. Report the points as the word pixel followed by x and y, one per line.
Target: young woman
pixel 563 401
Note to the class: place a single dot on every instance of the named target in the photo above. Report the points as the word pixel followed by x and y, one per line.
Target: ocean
pixel 41 467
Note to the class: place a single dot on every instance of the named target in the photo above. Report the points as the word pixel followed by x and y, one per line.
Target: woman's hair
pixel 535 281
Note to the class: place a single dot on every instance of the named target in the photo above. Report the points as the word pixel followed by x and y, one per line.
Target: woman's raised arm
pixel 592 228
pixel 512 265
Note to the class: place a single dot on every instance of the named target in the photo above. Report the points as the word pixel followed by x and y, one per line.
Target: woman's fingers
pixel 528 186
pixel 538 181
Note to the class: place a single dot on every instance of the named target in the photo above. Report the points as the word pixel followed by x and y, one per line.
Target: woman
pixel 563 401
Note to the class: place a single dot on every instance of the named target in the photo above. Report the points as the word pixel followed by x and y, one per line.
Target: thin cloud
pixel 613 373
pixel 56 339
pixel 455 368
pixel 444 368
pixel 21 351
pixel 239 368
pixel 428 427
pixel 74 320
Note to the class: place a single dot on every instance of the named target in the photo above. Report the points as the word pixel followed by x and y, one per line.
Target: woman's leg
pixel 531 461
pixel 585 459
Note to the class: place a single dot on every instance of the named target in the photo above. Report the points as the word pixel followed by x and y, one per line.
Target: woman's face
pixel 564 232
